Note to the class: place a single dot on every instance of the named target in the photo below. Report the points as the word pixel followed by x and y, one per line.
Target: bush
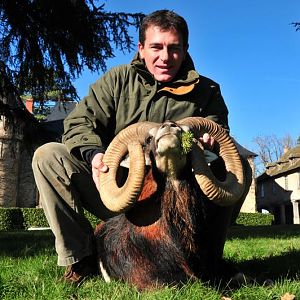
pixel 23 218
pixel 254 219
pixel 11 219
pixel 34 217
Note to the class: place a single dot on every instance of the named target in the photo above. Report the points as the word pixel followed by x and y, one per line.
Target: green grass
pixel 28 269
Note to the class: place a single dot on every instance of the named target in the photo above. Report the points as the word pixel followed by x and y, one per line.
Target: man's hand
pixel 207 141
pixel 97 167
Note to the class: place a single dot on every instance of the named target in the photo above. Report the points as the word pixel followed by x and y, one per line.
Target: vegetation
pixel 23 218
pixel 268 255
pixel 187 141
pixel 254 219
pixel 296 25
pixel 45 45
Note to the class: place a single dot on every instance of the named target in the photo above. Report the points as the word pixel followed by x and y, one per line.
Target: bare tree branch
pixel 270 149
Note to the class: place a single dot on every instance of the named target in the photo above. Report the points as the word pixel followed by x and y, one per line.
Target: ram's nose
pixel 168 127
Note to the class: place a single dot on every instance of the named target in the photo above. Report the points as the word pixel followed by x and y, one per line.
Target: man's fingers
pixel 97 163
pixel 103 168
pixel 207 141
pixel 206 138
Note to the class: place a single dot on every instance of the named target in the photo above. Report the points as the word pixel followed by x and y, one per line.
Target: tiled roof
pixel 60 110
pixel 289 161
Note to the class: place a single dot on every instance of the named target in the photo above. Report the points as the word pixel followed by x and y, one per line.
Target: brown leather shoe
pixel 76 273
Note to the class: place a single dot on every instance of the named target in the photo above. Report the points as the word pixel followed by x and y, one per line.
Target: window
pixel 286 182
pixel 273 187
pixel 262 190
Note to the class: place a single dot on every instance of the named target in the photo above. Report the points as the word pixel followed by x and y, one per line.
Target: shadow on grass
pixel 26 243
pixel 274 231
pixel 31 243
pixel 285 266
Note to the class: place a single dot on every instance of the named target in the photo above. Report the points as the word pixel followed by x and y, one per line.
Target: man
pixel 160 84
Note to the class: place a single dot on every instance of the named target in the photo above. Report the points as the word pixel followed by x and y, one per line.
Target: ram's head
pixel 170 143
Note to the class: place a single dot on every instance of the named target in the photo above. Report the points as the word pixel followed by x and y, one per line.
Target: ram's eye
pixel 149 139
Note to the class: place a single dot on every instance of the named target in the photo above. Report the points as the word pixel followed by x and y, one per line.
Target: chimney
pixel 29 105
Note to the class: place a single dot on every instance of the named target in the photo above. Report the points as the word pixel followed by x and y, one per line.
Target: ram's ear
pixel 153 131
pixel 185 128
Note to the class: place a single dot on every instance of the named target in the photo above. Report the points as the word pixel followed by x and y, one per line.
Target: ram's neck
pixel 171 165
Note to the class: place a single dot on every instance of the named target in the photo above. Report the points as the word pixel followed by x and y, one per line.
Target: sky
pixel 249 47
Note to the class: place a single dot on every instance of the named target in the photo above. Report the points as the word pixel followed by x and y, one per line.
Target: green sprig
pixel 187 141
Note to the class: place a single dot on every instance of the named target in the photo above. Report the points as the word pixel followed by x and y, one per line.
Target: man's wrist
pixel 89 154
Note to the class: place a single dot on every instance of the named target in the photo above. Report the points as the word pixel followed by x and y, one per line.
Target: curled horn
pixel 129 140
pixel 223 193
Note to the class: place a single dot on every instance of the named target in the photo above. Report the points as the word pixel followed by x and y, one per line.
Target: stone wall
pixel 27 196
pixel 249 205
pixel 9 169
pixel 17 186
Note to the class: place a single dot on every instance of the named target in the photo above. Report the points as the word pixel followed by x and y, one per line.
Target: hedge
pixel 24 218
pixel 254 219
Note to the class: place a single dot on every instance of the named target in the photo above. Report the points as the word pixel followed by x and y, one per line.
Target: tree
pixel 296 25
pixel 45 44
pixel 270 148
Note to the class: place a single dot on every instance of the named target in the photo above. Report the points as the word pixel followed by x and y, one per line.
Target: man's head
pixel 163 43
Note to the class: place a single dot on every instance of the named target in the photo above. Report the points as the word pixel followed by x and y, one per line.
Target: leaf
pixel 287 296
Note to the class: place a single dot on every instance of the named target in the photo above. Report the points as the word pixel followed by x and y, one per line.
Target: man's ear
pixel 141 50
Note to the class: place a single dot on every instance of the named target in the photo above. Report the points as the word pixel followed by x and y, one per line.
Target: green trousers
pixel 66 188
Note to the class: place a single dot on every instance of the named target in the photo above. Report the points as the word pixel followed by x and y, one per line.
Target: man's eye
pixel 175 48
pixel 157 47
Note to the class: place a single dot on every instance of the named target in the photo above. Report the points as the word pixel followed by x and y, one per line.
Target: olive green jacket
pixel 128 94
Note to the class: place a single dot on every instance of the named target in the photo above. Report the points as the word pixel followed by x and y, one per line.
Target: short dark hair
pixel 166 20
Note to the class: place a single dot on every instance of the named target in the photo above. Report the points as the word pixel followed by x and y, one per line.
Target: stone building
pixel 16 179
pixel 20 135
pixel 249 205
pixel 278 189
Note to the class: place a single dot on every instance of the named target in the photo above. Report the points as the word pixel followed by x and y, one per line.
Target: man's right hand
pixel 97 167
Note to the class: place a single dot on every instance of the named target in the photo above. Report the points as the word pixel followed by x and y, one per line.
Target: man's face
pixel 163 53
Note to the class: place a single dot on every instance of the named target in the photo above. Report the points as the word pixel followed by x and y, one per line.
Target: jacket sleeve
pixel 216 109
pixel 92 122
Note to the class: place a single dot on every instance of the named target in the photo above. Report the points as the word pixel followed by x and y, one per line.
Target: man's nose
pixel 164 55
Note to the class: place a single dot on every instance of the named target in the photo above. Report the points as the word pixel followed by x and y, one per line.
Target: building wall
pixel 281 196
pixel 9 169
pixel 249 205
pixel 27 196
pixel 17 185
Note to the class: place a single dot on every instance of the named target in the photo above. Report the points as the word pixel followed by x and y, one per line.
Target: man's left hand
pixel 207 141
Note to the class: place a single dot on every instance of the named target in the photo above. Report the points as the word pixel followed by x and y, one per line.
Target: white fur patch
pixel 103 272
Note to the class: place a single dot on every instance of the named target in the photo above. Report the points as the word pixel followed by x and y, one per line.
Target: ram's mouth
pixel 167 143
pixel 166 134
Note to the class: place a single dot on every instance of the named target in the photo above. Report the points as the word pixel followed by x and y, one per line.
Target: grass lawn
pixel 28 269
